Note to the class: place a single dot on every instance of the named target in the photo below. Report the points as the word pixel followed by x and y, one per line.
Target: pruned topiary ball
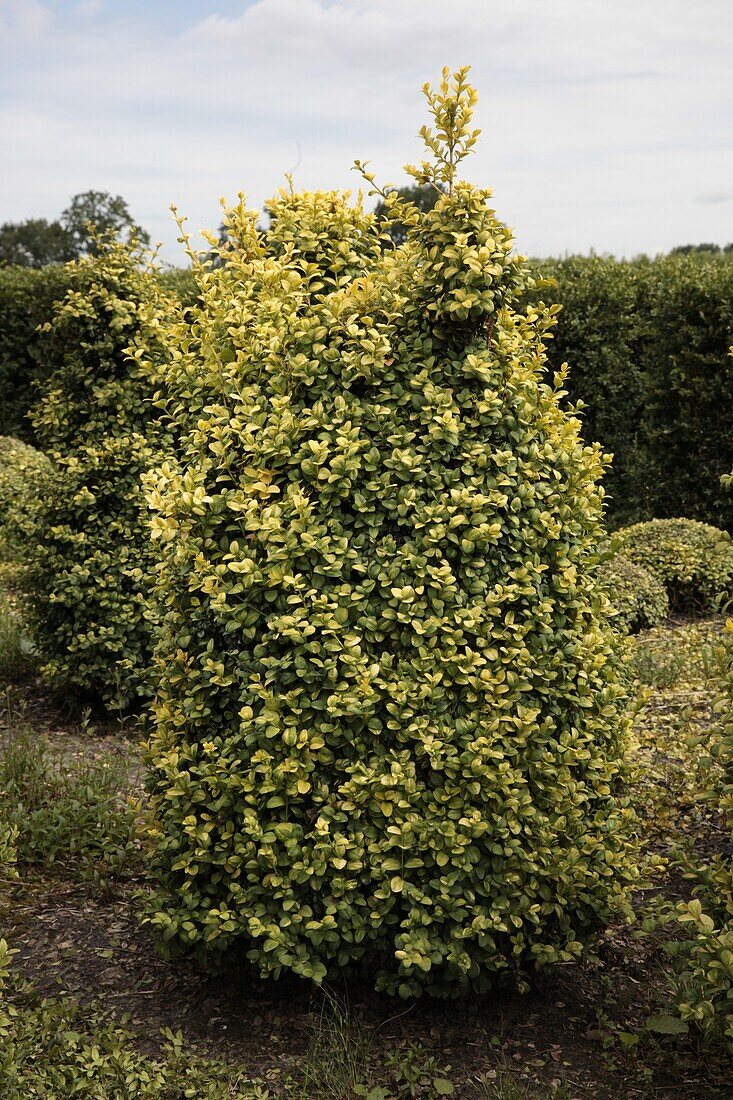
pixel 693 560
pixel 639 597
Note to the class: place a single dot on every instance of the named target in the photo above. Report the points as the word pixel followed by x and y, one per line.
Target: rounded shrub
pixel 694 561
pixel 89 548
pixel 388 730
pixel 640 598
pixel 22 469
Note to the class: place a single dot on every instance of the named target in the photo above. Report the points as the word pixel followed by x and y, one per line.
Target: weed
pixel 16 650
pixel 73 814
pixel 342 1063
pixel 502 1084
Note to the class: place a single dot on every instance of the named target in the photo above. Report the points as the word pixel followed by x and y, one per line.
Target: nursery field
pixel 85 962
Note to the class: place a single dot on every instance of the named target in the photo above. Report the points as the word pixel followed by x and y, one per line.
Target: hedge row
pixel 647 342
pixel 27 300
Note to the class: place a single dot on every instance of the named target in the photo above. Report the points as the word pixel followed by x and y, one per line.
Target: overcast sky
pixel 607 124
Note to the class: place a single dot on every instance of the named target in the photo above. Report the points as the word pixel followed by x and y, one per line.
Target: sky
pixel 607 125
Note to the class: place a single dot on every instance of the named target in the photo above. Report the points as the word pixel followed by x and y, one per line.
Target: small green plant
pixel 656 664
pixel 73 815
pixel 56 1049
pixel 693 561
pixel 342 1062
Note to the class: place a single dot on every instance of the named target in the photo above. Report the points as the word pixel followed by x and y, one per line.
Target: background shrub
pixel 89 547
pixel 22 468
pixel 28 297
pixel 639 597
pixel 694 561
pixel 647 342
pixel 387 728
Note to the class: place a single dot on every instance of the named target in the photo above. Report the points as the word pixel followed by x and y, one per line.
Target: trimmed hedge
pixel 389 729
pixel 90 552
pixel 638 596
pixel 694 561
pixel 27 298
pixel 647 342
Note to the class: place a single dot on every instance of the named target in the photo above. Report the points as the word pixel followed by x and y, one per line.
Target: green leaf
pixel 665 1024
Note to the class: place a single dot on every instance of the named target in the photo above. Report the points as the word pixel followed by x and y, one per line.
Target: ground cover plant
pixel 388 728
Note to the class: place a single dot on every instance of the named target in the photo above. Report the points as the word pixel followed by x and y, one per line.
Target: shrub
pixel 16 648
pixel 89 547
pixel 27 299
pixel 694 561
pixel 657 386
pixel 388 723
pixel 639 597
pixel 21 471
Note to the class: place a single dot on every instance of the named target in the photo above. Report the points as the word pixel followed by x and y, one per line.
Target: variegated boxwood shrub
pixel 388 728
pixel 638 596
pixel 693 560
pixel 89 548
pixel 22 468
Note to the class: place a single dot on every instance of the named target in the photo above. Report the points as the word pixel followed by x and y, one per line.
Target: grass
pixel 343 1061
pixel 74 816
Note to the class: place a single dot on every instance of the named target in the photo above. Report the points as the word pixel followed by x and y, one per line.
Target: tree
pixel 389 728
pixel 708 247
pixel 109 216
pixel 35 243
pixel 90 218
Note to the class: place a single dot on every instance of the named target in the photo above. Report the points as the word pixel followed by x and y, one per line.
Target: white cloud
pixel 21 20
pixel 604 120
pixel 89 7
